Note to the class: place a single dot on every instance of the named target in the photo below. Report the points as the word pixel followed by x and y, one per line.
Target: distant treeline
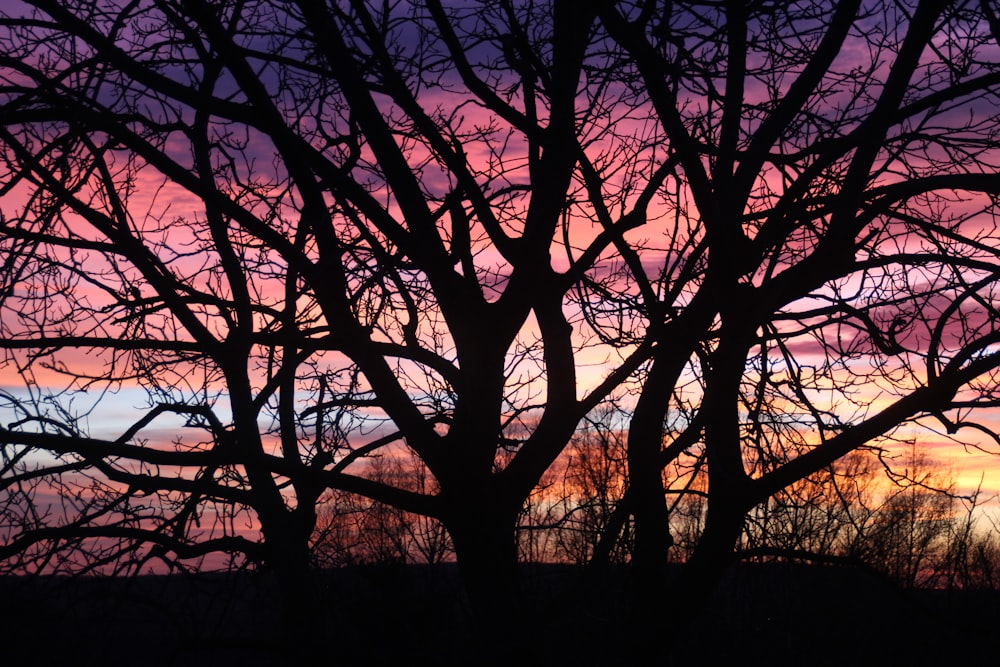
pixel 907 521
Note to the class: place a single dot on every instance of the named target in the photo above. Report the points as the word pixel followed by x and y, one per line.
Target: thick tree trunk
pixel 306 625
pixel 713 555
pixel 648 593
pixel 485 543
pixel 646 492
pixel 652 537
pixel 673 624
pixel 663 616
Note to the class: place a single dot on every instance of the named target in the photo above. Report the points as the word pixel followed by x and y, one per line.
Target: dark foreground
pixel 763 615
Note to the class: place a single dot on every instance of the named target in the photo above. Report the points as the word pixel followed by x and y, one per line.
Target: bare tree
pixel 580 499
pixel 907 534
pixel 825 514
pixel 306 233
pixel 353 529
pixel 294 235
pixel 826 277
pixel 902 521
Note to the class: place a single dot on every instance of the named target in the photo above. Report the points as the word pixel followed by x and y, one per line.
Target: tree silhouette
pixel 830 268
pixel 307 234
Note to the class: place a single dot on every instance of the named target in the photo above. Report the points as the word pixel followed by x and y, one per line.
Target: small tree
pixel 352 529
pixel 906 535
pixel 581 502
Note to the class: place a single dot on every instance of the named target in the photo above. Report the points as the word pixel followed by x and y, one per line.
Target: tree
pixel 580 500
pixel 353 529
pixel 827 274
pixel 902 525
pixel 303 233
pixel 309 233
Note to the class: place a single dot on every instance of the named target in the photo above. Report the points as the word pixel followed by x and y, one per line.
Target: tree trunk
pixel 306 624
pixel 664 616
pixel 485 540
pixel 646 492
pixel 693 587
pixel 652 537
pixel 713 555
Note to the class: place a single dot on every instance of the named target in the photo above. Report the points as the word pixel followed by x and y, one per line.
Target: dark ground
pixel 763 615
